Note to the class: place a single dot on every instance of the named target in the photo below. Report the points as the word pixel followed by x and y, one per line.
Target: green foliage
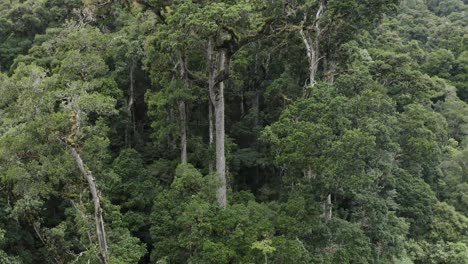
pixel 442 252
pixel 439 62
pixel 368 166
pixel 448 224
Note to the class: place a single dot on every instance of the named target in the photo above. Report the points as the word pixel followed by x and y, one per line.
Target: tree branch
pixel 222 76
pixel 235 43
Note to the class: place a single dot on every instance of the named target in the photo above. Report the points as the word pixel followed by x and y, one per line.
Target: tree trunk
pixel 131 101
pixel 256 98
pixel 183 112
pixel 329 67
pixel 220 135
pixel 210 132
pixel 312 45
pixel 312 55
pixel 100 230
pixel 328 208
pixel 242 103
pixel 217 65
pixel 183 132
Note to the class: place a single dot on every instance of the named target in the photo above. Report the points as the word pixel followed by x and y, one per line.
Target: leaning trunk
pixel 100 229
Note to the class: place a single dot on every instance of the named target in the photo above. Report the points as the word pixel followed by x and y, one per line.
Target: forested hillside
pixel 236 131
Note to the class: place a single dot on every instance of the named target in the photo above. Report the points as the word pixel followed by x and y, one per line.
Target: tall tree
pixel 324 25
pixel 232 26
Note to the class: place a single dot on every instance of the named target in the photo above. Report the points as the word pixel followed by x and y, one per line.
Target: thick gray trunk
pixel 217 65
pixel 100 229
pixel 220 134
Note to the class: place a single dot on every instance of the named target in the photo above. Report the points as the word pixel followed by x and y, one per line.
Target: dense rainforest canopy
pixel 235 131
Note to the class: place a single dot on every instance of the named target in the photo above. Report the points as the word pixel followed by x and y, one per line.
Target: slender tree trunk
pixel 312 54
pixel 100 229
pixel 312 45
pixel 328 208
pixel 217 64
pixel 183 132
pixel 131 101
pixel 242 103
pixel 309 174
pixel 256 98
pixel 329 68
pixel 183 111
pixel 44 241
pixel 210 132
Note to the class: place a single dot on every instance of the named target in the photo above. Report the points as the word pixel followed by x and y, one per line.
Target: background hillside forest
pixel 235 131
